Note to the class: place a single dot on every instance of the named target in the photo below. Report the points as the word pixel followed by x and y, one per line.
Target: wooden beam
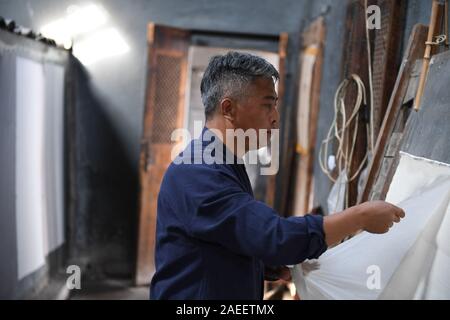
pixel 355 62
pixel 271 186
pixel 386 56
pixel 434 29
pixel 311 58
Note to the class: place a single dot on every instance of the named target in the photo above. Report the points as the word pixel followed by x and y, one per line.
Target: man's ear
pixel 228 109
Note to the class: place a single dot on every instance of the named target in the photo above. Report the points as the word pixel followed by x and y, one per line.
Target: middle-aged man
pixel 213 239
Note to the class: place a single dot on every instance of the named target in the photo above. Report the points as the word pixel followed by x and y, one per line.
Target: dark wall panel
pixel 8 265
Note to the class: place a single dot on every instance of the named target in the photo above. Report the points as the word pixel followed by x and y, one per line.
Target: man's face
pixel 258 110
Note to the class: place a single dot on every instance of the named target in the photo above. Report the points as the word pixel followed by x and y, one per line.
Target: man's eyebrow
pixel 271 98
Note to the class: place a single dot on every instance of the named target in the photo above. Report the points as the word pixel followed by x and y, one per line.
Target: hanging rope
pixel 346 141
pixel 345 151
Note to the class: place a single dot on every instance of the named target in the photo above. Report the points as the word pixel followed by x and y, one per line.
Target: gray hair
pixel 229 75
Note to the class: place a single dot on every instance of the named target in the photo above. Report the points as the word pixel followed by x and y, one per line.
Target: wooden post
pixel 307 113
pixel 427 55
pixel 271 187
pixel 355 62
pixel 386 56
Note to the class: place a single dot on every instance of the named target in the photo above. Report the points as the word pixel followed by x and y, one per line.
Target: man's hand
pixel 374 217
pixel 379 216
pixel 285 274
pixel 277 273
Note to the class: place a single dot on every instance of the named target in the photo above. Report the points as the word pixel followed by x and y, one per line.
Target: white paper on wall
pixel 411 261
pixel 30 104
pixel 54 157
pixel 39 162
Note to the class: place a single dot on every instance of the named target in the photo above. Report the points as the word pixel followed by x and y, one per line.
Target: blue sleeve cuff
pixel 317 242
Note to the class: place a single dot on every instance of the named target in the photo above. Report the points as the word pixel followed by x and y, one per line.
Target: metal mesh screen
pixel 167 95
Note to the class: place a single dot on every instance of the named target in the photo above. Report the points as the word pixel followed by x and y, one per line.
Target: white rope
pixel 344 157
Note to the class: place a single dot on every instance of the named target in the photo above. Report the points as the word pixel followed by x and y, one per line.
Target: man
pixel 213 239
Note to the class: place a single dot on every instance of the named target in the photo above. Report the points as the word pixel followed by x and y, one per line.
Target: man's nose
pixel 275 120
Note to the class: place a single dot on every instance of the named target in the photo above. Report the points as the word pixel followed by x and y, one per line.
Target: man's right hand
pixel 373 216
pixel 379 216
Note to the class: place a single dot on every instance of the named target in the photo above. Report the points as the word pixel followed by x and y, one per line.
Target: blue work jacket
pixel 213 239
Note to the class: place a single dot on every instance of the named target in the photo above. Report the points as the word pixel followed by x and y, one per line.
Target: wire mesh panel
pixel 167 98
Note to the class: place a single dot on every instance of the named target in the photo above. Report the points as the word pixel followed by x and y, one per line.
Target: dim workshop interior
pixel 92 91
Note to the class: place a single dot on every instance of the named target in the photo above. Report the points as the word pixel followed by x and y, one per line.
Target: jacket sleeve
pixel 227 215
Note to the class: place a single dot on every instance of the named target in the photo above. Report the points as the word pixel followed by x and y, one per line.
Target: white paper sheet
pixel 411 261
pixel 30 104
pixel 39 162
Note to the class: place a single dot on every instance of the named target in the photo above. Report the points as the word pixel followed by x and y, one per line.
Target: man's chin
pixel 263 144
pixel 269 138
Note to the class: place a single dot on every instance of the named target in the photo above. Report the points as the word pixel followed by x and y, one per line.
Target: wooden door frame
pixel 146 216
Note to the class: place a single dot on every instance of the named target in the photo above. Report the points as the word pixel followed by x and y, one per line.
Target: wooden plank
pixel 355 62
pixel 388 166
pixel 272 181
pixel 413 52
pixel 386 57
pixel 307 113
pixel 166 82
pixel 391 156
